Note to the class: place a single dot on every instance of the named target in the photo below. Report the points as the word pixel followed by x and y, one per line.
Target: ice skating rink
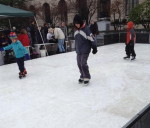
pixel 50 96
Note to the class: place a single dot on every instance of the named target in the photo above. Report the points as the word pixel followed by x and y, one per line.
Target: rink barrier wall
pixel 111 37
pixel 140 120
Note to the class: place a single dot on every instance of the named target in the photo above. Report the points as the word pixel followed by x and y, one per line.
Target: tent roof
pixel 7 11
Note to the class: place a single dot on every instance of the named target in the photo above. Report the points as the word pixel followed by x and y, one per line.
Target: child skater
pixel 84 41
pixel 19 51
pixel 131 37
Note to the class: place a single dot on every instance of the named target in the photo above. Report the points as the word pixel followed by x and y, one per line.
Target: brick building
pixel 63 10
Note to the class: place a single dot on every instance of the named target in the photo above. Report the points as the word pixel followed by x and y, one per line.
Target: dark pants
pixel 82 65
pixel 130 49
pixel 20 62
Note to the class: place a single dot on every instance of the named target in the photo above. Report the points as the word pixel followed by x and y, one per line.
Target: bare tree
pixel 72 7
pixel 55 16
pixel 117 11
pixel 92 8
pixel 37 9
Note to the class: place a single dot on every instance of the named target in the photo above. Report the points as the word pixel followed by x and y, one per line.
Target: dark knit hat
pixel 77 20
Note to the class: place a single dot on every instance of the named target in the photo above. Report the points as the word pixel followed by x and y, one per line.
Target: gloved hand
pixel 1 49
pixel 27 57
pixel 131 43
pixel 94 50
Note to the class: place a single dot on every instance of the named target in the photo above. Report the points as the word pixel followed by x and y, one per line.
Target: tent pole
pixel 9 23
pixel 41 35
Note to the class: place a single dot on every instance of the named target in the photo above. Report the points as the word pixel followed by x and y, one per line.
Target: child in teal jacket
pixel 19 51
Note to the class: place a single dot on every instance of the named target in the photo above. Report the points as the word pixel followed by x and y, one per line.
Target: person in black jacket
pixel 84 42
pixel 32 29
pixel 94 28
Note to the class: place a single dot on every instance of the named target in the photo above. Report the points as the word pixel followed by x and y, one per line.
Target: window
pixel 62 6
pixel 82 9
pixel 104 8
pixel 130 4
pixel 46 11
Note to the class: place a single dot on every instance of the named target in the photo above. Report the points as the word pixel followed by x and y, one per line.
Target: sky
pixel 50 96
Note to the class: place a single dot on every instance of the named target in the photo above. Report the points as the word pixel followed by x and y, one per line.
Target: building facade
pixel 51 11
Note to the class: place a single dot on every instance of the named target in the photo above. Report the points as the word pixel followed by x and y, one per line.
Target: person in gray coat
pixel 84 42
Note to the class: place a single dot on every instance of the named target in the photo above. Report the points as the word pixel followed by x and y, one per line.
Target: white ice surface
pixel 50 96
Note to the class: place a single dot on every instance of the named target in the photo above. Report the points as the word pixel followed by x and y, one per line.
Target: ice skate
pixel 133 58
pixel 22 74
pixel 126 57
pixel 86 81
pixel 25 71
pixel 80 81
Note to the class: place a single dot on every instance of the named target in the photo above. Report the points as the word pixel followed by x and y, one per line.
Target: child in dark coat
pixel 19 51
pixel 84 42
pixel 130 42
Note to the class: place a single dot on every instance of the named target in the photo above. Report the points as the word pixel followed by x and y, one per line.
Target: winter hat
pixel 130 25
pixel 12 35
pixel 78 20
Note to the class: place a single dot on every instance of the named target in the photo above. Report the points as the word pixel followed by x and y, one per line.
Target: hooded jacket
pixel 84 40
pixel 18 49
pixel 130 32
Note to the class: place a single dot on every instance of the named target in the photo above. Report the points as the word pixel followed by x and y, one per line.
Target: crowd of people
pixel 32 35
pixel 37 35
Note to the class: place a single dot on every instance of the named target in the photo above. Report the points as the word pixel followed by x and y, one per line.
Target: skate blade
pixel 126 58
pixel 86 84
pixel 133 59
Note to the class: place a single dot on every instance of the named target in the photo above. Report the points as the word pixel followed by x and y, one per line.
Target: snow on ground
pixel 50 96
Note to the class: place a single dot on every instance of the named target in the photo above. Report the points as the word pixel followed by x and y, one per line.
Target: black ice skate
pixel 86 81
pixel 133 58
pixel 126 57
pixel 80 81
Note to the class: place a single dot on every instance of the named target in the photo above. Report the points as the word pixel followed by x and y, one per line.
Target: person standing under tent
pixel 39 34
pixel 63 27
pixel 24 38
pixel 20 52
pixel 58 33
pixel 94 28
pixel 50 36
pixel 130 41
pixel 32 29
pixel 84 42
pixel 45 31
